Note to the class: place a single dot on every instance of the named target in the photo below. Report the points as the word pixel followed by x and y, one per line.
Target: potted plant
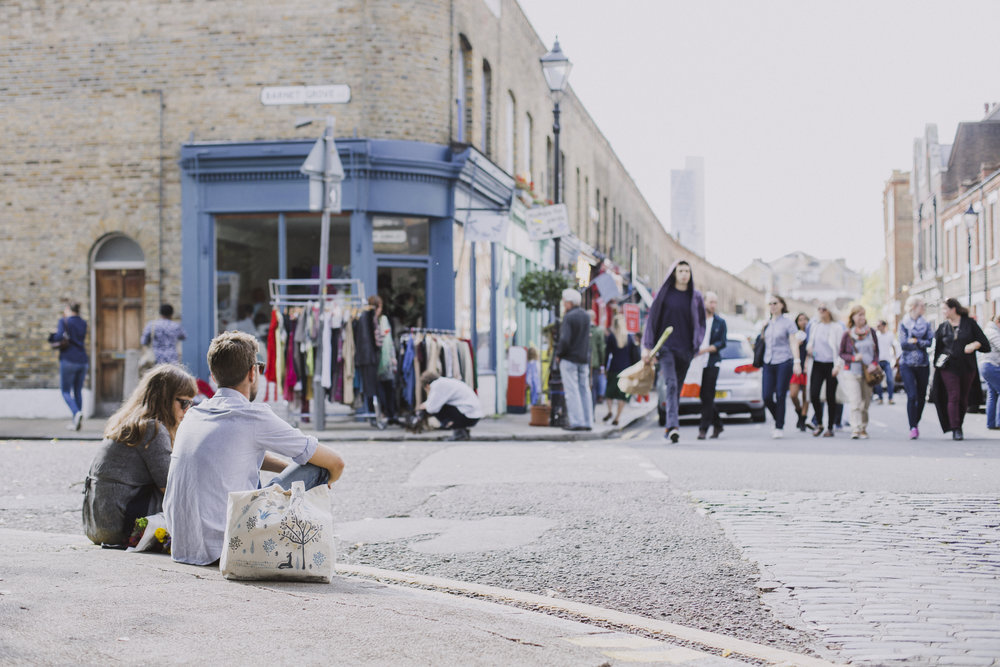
pixel 542 290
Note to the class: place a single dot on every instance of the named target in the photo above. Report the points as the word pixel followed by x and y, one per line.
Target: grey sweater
pixel 574 337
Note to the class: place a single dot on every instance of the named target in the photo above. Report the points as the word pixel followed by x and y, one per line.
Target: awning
pixel 644 294
pixel 606 287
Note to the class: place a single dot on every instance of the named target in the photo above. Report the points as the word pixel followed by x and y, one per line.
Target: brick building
pixel 141 166
pixel 897 228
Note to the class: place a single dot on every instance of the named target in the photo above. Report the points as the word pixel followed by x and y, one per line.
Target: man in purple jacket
pixel 679 305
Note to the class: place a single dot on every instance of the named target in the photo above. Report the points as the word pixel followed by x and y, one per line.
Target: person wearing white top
pixel 889 352
pixel 452 402
pixel 823 346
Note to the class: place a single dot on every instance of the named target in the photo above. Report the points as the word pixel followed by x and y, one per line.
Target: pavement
pixel 341 425
pixel 64 600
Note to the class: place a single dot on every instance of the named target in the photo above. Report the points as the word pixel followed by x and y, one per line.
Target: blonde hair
pixel 619 330
pixel 912 302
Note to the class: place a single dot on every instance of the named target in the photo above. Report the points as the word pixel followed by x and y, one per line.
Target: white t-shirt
pixel 219 447
pixel 449 391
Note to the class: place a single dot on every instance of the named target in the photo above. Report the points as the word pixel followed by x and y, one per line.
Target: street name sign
pixel 333 94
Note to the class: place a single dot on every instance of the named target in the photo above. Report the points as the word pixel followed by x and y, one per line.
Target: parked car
pixel 737 391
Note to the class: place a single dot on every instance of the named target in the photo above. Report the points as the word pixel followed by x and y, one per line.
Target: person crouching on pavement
pixel 223 444
pixel 452 402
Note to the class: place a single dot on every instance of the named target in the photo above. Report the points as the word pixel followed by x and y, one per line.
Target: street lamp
pixel 970 217
pixel 555 68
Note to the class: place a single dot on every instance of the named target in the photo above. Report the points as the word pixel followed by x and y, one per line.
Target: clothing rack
pixel 353 293
pixel 349 292
pixel 443 332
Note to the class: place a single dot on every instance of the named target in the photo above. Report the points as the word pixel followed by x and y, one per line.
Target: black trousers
pixel 823 372
pixel 709 413
pixel 452 417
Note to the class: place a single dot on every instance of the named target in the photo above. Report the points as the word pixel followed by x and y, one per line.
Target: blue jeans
pixel 889 380
pixel 576 384
pixel 915 383
pixel 673 368
pixel 307 473
pixel 600 384
pixel 774 387
pixel 991 373
pixel 71 377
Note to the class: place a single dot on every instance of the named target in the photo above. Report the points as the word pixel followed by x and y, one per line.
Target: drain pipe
pixel 159 259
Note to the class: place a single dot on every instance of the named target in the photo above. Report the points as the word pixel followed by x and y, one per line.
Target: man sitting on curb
pixel 222 445
pixel 452 402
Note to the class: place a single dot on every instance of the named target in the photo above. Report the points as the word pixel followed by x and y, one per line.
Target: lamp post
pixel 970 217
pixel 555 68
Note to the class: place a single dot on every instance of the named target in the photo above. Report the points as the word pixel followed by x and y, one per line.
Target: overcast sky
pixel 801 109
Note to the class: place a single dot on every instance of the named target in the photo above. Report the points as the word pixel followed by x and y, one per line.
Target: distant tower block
pixel 687 204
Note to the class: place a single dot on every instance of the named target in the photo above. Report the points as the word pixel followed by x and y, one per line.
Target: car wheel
pixel 663 416
pixel 758 416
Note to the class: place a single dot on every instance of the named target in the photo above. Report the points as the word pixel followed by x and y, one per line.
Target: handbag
pixel 57 342
pixel 148 358
pixel 873 374
pixel 639 378
pixel 758 349
pixel 276 534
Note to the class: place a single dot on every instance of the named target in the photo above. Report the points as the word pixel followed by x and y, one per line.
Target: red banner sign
pixel 631 312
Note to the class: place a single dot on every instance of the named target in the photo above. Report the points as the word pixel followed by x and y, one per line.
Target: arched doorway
pixel 118 283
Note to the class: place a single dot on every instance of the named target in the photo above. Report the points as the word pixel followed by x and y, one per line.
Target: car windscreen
pixel 737 348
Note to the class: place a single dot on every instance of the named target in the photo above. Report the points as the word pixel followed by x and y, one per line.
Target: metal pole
pixel 319 400
pixel 969 304
pixel 555 178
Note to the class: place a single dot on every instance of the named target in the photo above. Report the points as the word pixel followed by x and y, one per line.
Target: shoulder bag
pixel 57 342
pixel 758 349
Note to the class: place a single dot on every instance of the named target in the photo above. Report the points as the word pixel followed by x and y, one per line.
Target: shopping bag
pixel 639 378
pixel 276 534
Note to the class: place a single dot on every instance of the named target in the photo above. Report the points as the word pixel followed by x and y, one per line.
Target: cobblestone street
pixel 882 578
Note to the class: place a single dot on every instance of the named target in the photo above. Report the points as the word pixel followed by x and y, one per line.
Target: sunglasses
pixel 772 303
pixel 185 403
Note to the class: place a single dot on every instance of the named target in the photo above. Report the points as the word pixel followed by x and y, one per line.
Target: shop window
pixel 400 236
pixel 245 258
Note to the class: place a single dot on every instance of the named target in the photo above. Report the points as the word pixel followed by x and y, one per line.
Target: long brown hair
pixel 957 305
pixel 153 399
pixel 854 311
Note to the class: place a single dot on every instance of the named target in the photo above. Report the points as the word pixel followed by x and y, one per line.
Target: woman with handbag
pixel 69 339
pixel 128 476
pixel 620 353
pixel 781 339
pixel 859 352
pixel 915 335
pixel 956 342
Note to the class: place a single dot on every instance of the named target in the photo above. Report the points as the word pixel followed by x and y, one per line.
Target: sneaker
pixel 957 434
pixel 460 434
pixel 855 436
pixel 828 433
pixel 892 402
pixel 863 435
pixel 817 430
pixel 673 435
pixel 77 421
pixel 777 434
pixel 914 433
pixel 880 400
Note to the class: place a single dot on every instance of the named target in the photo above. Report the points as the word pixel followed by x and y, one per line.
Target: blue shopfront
pixel 245 220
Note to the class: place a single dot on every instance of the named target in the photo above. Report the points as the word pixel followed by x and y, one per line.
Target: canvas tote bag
pixel 276 534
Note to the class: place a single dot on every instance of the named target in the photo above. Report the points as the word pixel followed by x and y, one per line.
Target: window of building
pixel 527 159
pixel 510 134
pixel 547 185
pixel 486 110
pixel 400 236
pixel 463 91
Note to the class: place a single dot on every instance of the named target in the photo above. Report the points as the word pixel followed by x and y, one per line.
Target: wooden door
pixel 117 327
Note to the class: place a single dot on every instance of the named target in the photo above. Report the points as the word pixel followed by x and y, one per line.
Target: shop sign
pixel 389 236
pixel 631 312
pixel 547 222
pixel 487 227
pixel 334 94
pixel 582 271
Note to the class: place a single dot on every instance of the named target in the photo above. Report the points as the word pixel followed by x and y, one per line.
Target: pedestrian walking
pixel 781 362
pixel 991 372
pixel 622 352
pixel 573 352
pixel 915 335
pixel 956 342
pixel 888 355
pixel 858 350
pixel 797 385
pixel 824 347
pixel 128 476
pixel 71 336
pixel 387 368
pixel 598 353
pixel 715 340
pixel 679 305
pixel 163 334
